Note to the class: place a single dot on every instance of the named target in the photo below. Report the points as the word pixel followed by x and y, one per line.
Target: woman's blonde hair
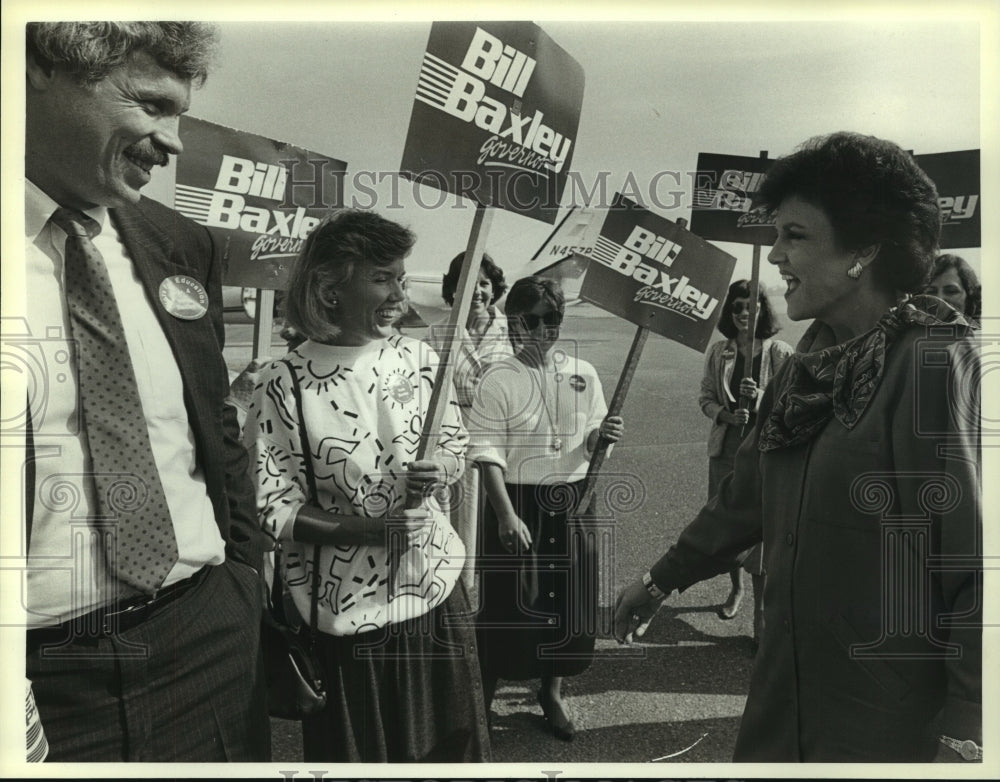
pixel 329 258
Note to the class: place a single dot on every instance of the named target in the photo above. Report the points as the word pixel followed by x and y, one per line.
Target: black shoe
pixel 562 729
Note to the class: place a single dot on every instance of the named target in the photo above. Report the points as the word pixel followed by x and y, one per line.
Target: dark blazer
pixel 163 243
pixel 872 641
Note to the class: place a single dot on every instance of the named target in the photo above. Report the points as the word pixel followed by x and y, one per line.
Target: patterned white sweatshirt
pixel 364 408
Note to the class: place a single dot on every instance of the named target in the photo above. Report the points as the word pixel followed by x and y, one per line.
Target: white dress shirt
pixel 66 569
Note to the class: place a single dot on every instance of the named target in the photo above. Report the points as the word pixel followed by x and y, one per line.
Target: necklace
pixel 478 330
pixel 556 443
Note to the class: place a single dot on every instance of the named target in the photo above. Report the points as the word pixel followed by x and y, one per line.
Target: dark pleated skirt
pixel 409 693
pixel 718 468
pixel 538 609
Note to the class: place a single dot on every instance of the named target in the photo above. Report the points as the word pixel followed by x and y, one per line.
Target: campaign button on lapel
pixel 184 297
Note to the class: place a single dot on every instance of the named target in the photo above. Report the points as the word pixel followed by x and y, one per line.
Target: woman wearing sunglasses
pixel 535 422
pixel 726 385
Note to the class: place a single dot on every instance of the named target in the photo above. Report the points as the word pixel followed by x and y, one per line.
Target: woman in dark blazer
pixel 861 477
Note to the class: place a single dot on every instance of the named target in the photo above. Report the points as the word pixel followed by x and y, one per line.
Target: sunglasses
pixel 739 307
pixel 532 321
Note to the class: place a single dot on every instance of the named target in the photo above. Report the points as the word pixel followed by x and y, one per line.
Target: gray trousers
pixel 183 685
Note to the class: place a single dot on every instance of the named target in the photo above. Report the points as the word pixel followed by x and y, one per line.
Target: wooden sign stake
pixel 456 321
pixel 436 407
pixel 263 323
pixel 745 401
pixel 615 408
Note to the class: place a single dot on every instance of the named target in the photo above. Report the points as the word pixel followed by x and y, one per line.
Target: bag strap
pixel 313 496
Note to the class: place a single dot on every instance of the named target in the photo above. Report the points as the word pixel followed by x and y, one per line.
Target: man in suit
pixel 143 592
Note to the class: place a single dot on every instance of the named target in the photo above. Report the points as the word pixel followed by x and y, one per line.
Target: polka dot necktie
pixel 129 492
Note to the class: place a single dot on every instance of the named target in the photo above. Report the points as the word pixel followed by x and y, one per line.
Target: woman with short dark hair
pixel 954 281
pixel 730 368
pixel 535 423
pixel 860 476
pixel 484 339
pixel 390 619
pixel 488 268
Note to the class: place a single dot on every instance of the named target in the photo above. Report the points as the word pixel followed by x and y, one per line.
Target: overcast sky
pixel 657 94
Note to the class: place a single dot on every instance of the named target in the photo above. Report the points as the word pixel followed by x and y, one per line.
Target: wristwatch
pixel 654 591
pixel 968 749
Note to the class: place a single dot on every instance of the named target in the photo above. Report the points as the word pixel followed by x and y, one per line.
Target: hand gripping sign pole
pixel 747 402
pixel 437 406
pixel 615 407
pixel 659 276
pixel 475 78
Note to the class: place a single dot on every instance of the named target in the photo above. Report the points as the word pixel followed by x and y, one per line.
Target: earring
pixel 855 271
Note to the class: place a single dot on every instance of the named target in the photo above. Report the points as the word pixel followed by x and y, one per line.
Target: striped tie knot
pixel 75 223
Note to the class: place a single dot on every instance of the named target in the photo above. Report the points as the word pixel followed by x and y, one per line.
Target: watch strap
pixel 967 749
pixel 654 591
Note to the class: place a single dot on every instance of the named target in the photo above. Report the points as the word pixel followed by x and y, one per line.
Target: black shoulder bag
pixel 295 687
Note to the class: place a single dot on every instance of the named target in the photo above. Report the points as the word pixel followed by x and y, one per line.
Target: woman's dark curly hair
pixel 767 324
pixel 873 192
pixel 449 283
pixel 970 282
pixel 528 291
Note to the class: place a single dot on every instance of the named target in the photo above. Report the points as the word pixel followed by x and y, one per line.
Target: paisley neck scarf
pixel 841 380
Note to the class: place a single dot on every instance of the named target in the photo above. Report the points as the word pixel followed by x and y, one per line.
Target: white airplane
pixel 563 256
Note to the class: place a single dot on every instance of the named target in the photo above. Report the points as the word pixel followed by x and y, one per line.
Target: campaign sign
pixel 654 273
pixel 259 197
pixel 495 116
pixel 956 175
pixel 724 188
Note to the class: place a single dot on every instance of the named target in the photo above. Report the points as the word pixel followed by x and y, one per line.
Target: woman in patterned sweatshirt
pixel 402 671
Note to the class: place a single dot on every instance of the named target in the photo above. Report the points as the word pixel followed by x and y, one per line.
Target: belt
pixel 115 618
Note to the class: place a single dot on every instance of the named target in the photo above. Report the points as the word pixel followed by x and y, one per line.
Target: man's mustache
pixel 147 153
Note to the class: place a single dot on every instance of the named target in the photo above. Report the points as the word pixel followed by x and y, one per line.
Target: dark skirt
pixel 409 693
pixel 718 468
pixel 538 609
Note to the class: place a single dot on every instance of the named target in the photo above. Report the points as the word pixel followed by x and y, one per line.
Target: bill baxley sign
pixel 956 175
pixel 495 116
pixel 259 197
pixel 724 188
pixel 657 274
pixel 725 185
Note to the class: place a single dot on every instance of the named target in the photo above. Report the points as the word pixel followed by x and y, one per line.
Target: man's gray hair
pixel 90 50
